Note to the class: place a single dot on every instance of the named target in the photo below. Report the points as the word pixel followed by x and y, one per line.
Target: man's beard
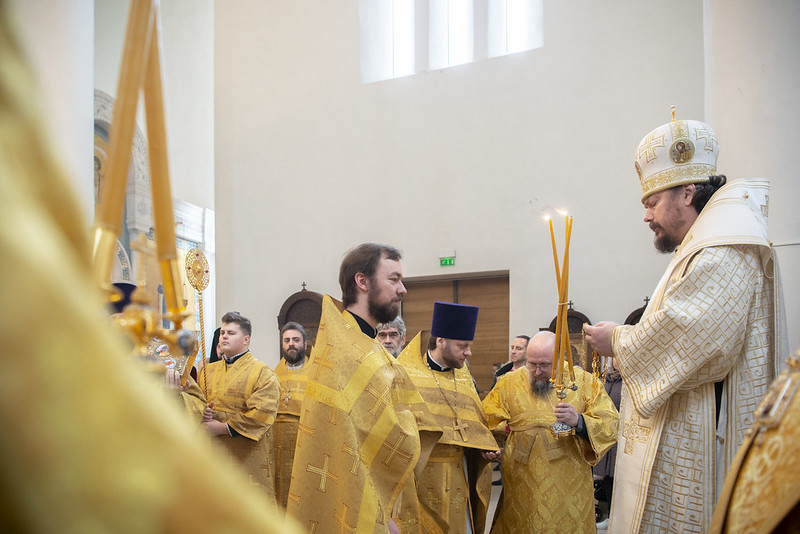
pixel 664 243
pixel 383 313
pixel 294 356
pixel 671 229
pixel 540 387
pixel 449 359
pixel 395 350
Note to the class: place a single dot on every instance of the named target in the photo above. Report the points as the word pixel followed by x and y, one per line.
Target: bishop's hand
pixel 600 336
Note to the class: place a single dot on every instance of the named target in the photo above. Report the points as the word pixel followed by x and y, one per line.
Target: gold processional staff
pixel 198 274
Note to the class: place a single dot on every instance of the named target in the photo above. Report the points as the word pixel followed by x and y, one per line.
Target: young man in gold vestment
pixel 243 400
pixel 709 342
pixel 547 480
pixel 455 486
pixel 291 373
pixel 364 428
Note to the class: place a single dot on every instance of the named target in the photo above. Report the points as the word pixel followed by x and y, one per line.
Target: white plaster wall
pixel 310 162
pixel 57 36
pixel 753 103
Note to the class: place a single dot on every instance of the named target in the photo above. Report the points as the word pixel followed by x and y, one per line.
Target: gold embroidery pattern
pixel 634 432
pixel 707 136
pixel 767 484
pixel 356 457
pixel 304 429
pixel 380 397
pixel 682 496
pixel 323 473
pixel 343 520
pixel 675 175
pixel 395 451
pixel 670 357
pixel 322 361
pixel 649 145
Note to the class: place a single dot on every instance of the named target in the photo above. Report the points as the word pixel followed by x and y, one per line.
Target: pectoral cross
pixel 461 427
pixel 287 397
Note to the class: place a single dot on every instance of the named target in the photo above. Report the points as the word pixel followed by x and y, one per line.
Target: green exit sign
pixel 444 262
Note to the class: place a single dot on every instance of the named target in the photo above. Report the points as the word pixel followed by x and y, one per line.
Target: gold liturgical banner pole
pixel 141 69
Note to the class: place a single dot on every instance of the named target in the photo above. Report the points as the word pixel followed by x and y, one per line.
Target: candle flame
pixel 546 217
pixel 561 212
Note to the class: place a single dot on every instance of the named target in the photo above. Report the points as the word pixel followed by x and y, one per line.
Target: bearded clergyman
pixel 290 372
pixel 364 429
pixel 709 342
pixel 547 477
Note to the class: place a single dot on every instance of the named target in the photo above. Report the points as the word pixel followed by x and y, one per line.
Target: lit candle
pixel 554 374
pixel 555 253
pixel 565 283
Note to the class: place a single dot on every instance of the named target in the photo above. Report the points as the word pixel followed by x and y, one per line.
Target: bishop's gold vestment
pixel 445 491
pixel 547 481
pixel 713 317
pixel 284 430
pixel 358 442
pixel 245 396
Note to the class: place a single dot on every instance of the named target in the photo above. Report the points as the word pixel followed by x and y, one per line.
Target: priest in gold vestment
pixel 243 400
pixel 359 439
pixel 455 486
pixel 707 346
pixel 547 480
pixel 90 444
pixel 291 373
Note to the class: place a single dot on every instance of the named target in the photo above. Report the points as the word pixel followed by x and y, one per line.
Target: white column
pixel 753 103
